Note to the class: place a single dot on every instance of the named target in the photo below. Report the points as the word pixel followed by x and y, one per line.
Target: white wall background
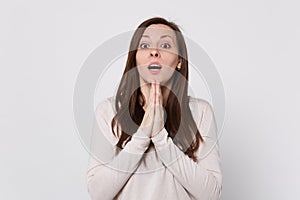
pixel 254 44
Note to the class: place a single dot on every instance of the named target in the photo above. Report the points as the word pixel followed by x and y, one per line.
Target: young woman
pixel 152 136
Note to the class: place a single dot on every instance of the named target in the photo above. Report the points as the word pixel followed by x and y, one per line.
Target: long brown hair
pixel 179 121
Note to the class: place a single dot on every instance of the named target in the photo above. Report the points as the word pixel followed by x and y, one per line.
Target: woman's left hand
pixel 158 123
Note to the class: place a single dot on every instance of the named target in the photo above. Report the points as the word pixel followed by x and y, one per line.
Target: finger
pixel 155 93
pixel 158 94
pixel 158 122
pixel 158 100
pixel 151 113
pixel 151 101
pixel 151 95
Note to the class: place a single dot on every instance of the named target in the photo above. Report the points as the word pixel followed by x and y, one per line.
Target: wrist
pixel 158 132
pixel 160 139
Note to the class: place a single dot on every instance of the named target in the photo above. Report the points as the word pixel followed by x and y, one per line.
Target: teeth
pixel 154 66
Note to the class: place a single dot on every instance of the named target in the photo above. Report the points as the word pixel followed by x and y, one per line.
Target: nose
pixel 154 52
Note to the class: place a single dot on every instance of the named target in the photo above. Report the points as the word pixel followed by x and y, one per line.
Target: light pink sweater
pixel 161 172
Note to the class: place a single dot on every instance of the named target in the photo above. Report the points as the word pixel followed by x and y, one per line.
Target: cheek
pixel 140 57
pixel 172 60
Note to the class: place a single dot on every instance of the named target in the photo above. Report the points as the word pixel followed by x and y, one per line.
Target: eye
pixel 166 46
pixel 144 45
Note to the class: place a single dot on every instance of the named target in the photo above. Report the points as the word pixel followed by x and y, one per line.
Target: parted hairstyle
pixel 179 121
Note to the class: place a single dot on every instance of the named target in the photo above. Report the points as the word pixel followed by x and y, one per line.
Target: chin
pixel 160 79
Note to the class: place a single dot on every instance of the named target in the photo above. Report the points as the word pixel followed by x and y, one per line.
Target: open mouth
pixel 154 68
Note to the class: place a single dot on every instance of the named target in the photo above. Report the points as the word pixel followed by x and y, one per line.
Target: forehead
pixel 159 30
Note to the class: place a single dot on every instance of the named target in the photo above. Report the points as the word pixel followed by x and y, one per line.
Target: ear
pixel 179 61
pixel 178 67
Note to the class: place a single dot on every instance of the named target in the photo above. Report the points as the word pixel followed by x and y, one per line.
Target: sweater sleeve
pixel 202 179
pixel 109 168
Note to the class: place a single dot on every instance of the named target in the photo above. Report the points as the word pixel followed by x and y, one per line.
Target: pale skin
pixel 153 121
pixel 158 44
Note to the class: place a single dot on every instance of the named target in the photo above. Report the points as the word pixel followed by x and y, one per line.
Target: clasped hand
pixel 153 121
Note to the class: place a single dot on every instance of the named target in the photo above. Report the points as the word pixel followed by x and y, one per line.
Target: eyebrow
pixel 161 37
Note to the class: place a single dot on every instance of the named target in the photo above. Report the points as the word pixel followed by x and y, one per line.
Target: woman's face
pixel 157 54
